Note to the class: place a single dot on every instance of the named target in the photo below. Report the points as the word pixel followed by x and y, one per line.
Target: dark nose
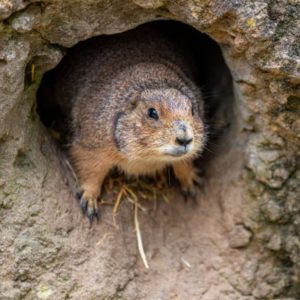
pixel 183 141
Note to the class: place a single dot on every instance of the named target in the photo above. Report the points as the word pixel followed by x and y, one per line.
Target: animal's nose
pixel 183 141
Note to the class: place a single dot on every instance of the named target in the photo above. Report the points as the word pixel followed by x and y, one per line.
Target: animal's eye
pixel 192 110
pixel 152 113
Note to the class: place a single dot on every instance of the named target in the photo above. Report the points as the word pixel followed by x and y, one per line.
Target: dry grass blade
pixel 72 171
pixel 137 226
pixel 167 200
pixel 131 193
pixel 32 72
pixel 106 235
pixel 118 201
pixel 139 236
pixel 138 204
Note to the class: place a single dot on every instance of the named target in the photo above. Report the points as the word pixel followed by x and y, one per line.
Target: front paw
pixel 190 184
pixel 89 206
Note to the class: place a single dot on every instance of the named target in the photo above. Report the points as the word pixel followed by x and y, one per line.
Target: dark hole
pixel 212 75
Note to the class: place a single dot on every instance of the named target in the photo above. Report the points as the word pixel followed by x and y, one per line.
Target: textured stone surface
pixel 239 237
pixel 47 251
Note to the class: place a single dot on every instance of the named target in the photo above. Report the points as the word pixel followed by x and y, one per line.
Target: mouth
pixel 177 151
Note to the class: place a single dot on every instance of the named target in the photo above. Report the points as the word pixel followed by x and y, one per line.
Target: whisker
pixel 209 150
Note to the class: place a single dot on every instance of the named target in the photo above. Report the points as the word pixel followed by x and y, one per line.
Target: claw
pixel 92 212
pixel 89 208
pixel 79 194
pixel 200 172
pixel 90 215
pixel 189 193
pixel 199 182
pixel 185 195
pixel 83 205
pixel 96 215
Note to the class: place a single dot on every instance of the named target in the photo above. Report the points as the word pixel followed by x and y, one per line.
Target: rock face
pixel 242 242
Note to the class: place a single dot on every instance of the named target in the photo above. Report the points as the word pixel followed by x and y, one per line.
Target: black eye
pixel 152 113
pixel 192 110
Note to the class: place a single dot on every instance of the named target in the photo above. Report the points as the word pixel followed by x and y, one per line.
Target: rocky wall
pixel 242 242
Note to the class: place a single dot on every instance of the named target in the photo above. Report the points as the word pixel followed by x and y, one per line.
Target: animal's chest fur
pixel 136 167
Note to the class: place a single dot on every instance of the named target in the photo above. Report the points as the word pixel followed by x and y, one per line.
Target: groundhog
pixel 131 102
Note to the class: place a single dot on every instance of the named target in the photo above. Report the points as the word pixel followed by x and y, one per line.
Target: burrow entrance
pixel 212 76
pixel 186 246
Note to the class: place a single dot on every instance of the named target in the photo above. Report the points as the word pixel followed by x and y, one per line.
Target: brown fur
pixel 109 85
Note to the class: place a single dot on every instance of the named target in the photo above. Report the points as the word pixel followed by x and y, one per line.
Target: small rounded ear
pixel 132 101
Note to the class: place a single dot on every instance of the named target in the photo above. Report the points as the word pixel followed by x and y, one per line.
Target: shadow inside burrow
pixel 211 75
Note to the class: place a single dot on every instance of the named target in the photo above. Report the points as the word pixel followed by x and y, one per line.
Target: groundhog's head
pixel 159 125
